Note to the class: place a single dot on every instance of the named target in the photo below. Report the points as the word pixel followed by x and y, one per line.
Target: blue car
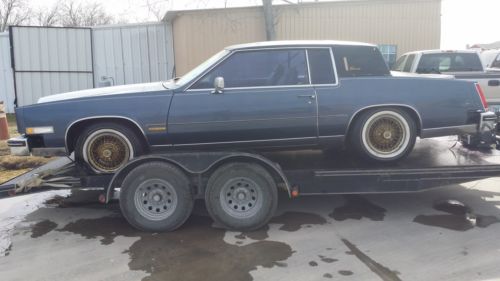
pixel 278 95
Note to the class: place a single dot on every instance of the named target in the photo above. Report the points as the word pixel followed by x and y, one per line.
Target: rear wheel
pixel 106 147
pixel 156 197
pixel 241 196
pixel 384 134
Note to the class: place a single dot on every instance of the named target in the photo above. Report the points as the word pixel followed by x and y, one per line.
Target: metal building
pixel 397 26
pixel 41 61
pixel 6 77
pixel 132 53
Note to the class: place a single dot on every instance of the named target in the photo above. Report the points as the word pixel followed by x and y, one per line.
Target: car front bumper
pixel 19 146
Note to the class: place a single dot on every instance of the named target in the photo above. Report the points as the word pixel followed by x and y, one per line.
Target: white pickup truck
pixel 464 65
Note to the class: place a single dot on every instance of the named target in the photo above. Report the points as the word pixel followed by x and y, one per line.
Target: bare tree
pixel 157 8
pixel 13 12
pixel 48 16
pixel 269 19
pixel 84 14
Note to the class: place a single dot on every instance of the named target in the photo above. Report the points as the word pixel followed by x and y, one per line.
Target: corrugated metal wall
pixel 411 25
pixel 6 81
pixel 132 53
pixel 50 60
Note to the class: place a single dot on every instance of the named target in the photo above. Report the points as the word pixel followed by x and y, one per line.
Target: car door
pixel 267 100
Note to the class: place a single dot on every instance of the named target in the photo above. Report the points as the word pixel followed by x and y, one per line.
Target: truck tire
pixel 241 196
pixel 156 197
pixel 384 134
pixel 106 147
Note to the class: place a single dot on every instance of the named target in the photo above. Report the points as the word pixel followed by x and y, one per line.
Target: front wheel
pixel 384 134
pixel 241 196
pixel 106 147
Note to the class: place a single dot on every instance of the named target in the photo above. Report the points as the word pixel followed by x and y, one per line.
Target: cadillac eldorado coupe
pixel 273 95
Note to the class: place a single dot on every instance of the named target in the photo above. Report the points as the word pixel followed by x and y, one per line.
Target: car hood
pixel 106 91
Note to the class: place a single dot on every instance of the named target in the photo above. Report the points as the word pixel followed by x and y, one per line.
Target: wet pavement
pixel 450 233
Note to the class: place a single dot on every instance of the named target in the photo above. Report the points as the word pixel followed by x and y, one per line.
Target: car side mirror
pixel 218 85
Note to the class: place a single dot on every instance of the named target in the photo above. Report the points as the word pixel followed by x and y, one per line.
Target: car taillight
pixel 481 96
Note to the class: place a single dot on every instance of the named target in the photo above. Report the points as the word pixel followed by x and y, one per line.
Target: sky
pixel 463 21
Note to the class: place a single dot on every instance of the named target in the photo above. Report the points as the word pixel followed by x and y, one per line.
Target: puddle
pixel 345 272
pixel 383 272
pixel 42 227
pixel 293 221
pixel 328 275
pixel 327 260
pixel 357 207
pixel 193 252
pixel 460 217
pixel 313 263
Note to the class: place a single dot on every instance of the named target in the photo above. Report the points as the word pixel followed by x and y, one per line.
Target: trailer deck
pixel 433 163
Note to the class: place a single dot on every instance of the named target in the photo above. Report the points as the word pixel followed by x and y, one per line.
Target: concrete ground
pixel 451 233
pixel 370 237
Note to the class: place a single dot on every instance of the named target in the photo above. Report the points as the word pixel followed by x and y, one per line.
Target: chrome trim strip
pixel 98 117
pixel 230 142
pixel 382 105
pixel 242 120
pixel 435 132
pixel 256 87
pixel 308 67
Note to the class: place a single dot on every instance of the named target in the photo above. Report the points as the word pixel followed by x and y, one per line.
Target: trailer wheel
pixel 385 134
pixel 241 196
pixel 156 197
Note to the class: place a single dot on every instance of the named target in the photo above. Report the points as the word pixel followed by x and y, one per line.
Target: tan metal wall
pixel 411 25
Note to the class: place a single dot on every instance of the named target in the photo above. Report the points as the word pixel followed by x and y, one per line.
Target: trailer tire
pixel 156 197
pixel 384 134
pixel 241 196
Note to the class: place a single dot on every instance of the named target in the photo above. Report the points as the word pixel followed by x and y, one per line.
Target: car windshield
pixel 496 62
pixel 200 68
pixel 449 62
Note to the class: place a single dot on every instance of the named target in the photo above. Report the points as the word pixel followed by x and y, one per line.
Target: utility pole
pixel 269 19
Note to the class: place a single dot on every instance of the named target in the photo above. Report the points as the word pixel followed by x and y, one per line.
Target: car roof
pixel 295 43
pixel 439 51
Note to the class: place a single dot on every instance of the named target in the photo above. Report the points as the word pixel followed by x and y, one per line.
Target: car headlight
pixel 39 130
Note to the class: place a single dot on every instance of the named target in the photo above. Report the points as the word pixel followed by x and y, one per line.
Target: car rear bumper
pixel 19 146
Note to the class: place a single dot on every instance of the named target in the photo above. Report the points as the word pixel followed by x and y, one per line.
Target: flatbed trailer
pixel 157 191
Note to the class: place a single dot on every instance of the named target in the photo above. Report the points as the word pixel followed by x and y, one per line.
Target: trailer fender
pixel 198 164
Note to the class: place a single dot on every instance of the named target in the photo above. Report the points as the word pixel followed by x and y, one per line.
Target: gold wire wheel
pixel 386 134
pixel 108 151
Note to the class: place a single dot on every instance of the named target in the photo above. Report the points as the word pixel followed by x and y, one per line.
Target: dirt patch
pixel 193 252
pixel 13 166
pixel 357 207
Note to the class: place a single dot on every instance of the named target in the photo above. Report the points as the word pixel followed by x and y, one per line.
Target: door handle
pixel 307 96
pixel 494 83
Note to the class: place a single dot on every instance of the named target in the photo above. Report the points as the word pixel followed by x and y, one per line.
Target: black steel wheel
pixel 241 196
pixel 156 197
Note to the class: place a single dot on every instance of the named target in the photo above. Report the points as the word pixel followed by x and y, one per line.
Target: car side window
pixel 359 61
pixel 409 63
pixel 259 68
pixel 321 66
pixel 496 62
pixel 400 63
